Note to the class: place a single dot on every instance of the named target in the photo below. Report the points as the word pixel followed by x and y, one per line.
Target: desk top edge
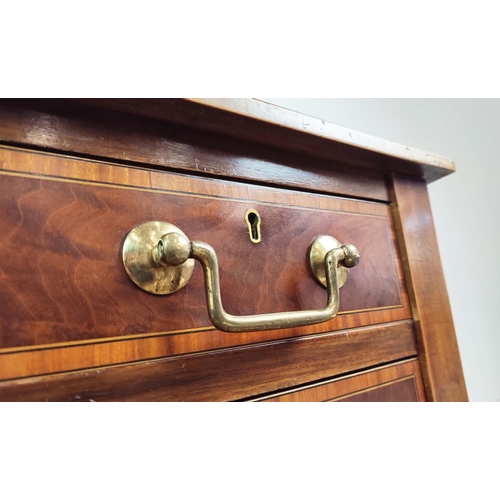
pixel 264 123
pixel 283 117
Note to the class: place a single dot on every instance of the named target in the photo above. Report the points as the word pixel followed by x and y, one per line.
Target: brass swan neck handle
pixel 161 263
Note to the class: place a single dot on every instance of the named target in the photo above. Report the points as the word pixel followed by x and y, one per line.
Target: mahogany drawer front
pixel 232 374
pixel 400 382
pixel 63 284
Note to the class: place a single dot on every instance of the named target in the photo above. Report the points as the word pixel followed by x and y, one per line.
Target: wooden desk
pixel 76 176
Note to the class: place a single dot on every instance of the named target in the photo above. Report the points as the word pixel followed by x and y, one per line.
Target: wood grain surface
pixel 440 356
pixel 265 123
pixel 398 382
pixel 399 391
pixel 230 374
pixel 80 129
pixel 63 280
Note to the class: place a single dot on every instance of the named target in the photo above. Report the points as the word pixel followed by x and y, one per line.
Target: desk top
pixel 264 123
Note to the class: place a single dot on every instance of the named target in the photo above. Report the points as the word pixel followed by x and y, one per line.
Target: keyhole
pixel 252 219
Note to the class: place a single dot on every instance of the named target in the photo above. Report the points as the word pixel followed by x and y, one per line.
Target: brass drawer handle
pixel 158 258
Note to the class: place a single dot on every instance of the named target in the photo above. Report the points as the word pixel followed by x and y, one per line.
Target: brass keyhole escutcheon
pixel 252 219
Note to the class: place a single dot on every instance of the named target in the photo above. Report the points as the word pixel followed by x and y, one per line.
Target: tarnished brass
pixel 252 218
pixel 166 248
pixel 320 247
pixel 146 253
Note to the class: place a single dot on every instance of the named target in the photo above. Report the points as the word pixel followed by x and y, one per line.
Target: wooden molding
pixel 439 353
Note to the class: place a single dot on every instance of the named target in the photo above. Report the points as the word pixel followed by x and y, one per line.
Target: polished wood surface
pixel 230 374
pixel 62 258
pixel 440 357
pixel 265 123
pixel 400 382
pixel 61 125
pixel 61 261
pixel 399 391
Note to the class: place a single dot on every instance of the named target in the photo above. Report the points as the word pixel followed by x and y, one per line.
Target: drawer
pixel 68 304
pixel 399 382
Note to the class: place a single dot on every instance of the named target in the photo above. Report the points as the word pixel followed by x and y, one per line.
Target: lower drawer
pixel 399 382
pixel 234 374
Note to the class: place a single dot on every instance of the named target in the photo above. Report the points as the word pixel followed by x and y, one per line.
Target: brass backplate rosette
pixel 139 250
pixel 317 253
